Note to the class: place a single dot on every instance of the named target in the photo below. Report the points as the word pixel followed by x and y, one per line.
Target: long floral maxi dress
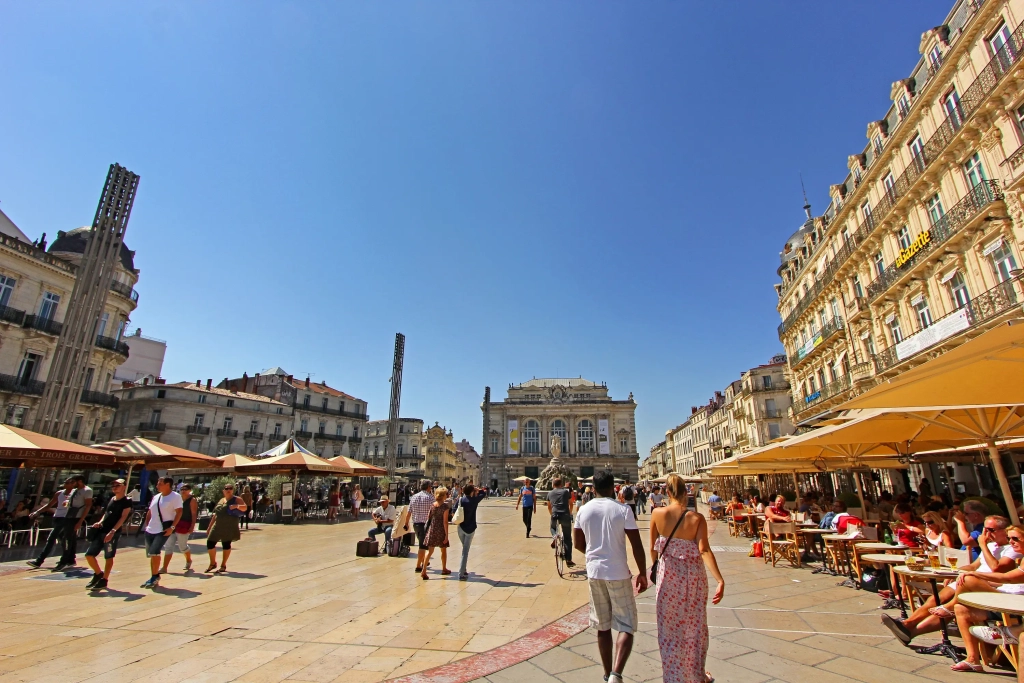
pixel 682 597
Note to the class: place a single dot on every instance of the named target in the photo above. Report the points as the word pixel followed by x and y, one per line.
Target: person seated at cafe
pixel 715 503
pixel 756 503
pixel 777 512
pixel 936 531
pixel 997 557
pixel 384 516
pixel 735 505
pixel 809 504
pixel 969 525
pixel 907 527
pixel 840 518
pixel 885 506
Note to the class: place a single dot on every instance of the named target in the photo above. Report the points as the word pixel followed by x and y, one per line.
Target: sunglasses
pixel 1015 539
pixel 992 528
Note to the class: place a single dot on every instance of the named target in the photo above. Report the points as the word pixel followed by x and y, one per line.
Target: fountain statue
pixel 555 469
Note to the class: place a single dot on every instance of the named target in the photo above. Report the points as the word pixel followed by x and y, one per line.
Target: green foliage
pixel 274 486
pixel 851 499
pixel 214 491
pixel 384 482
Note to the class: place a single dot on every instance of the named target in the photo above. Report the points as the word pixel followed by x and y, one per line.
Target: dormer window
pixel 903 106
pixel 935 58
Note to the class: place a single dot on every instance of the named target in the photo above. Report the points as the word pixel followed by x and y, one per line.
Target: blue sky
pixel 528 188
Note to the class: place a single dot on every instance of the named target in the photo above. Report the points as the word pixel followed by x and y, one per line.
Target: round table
pixel 932 576
pixel 892 560
pixel 1004 603
pixel 872 545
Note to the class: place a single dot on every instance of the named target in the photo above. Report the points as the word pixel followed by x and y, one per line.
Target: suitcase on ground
pixel 367 548
pixel 398 547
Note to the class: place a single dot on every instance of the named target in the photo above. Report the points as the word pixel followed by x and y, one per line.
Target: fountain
pixel 555 469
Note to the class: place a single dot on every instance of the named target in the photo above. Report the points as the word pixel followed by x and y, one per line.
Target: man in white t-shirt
pixel 602 527
pixel 164 513
pixel 79 505
pixel 997 556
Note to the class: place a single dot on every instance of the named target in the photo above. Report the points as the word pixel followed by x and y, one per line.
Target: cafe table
pixel 808 534
pixel 891 560
pixel 933 576
pixel 845 544
pixel 1007 604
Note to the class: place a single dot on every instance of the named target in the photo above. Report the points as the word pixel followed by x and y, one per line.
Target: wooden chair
pixel 782 542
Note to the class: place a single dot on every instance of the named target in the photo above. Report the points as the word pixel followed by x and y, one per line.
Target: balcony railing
pixel 43 325
pixel 330 411
pixel 112 344
pixel 12 315
pixel 276 438
pixel 775 386
pixel 331 437
pixel 1000 299
pixel 830 328
pixel 772 413
pixel 197 429
pixel 1016 159
pixel 302 434
pixel 152 427
pixel 837 386
pixel 355 439
pixel 965 210
pixel 19 385
pixel 232 433
pixel 257 436
pixel 970 101
pixel 100 398
pixel 124 290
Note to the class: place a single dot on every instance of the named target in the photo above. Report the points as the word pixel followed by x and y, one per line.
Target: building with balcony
pixel 760 406
pixel 201 418
pixel 409 457
pixel 35 286
pixel 145 359
pixel 331 420
pixel 920 246
pixel 469 462
pixel 440 457
pixel 679 444
pixel 596 432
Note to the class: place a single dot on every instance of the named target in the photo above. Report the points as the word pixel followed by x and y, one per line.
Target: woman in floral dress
pixel 437 531
pixel 679 541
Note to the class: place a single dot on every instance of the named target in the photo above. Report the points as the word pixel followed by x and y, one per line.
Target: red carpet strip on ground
pixel 510 654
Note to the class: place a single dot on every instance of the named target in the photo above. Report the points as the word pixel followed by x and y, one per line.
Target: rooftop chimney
pixel 199 383
pixel 209 383
pixel 307 382
pixel 145 381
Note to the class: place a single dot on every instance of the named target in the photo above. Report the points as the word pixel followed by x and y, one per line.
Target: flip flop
pixel 967 666
pixel 942 612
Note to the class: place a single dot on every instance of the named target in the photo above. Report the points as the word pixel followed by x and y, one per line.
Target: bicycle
pixel 559 552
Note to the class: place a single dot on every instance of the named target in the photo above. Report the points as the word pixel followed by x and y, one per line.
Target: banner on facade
pixel 929 336
pixel 513 437
pixel 602 437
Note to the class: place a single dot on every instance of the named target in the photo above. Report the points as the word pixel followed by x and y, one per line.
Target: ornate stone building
pixel 35 285
pixel 440 456
pixel 596 432
pixel 920 247
pixel 409 460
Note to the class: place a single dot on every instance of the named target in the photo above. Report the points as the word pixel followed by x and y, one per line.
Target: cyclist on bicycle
pixel 558 505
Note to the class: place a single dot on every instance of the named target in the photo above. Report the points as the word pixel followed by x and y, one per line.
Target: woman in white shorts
pixel 186 525
pixel 357 500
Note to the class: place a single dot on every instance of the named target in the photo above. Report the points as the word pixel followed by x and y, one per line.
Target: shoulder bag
pixel 460 515
pixel 654 567
pixel 159 513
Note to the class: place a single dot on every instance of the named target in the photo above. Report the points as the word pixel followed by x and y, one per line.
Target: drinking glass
pixel 952 561
pixel 933 560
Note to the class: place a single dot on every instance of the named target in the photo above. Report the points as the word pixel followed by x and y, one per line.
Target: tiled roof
pixel 322 388
pixel 191 386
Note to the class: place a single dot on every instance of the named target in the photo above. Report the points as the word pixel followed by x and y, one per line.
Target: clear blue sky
pixel 523 188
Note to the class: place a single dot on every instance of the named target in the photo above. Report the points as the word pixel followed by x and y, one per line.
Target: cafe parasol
pixel 358 467
pixel 154 455
pixel 21 447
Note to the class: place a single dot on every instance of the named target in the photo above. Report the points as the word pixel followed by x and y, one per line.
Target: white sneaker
pixel 615 678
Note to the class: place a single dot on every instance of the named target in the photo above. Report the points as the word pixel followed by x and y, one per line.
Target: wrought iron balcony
pixel 329 411
pixel 1016 159
pixel 12 315
pixel 100 398
pixel 837 386
pixel 152 427
pixel 125 290
pixel 331 437
pixel 775 386
pixel 232 433
pixel 112 344
pixel 970 101
pixel 353 415
pixel 197 429
pixel 830 328
pixel 276 438
pixel 43 325
pixel 302 434
pixel 962 213
pixel 256 436
pixel 20 385
pixel 355 439
pixel 1002 298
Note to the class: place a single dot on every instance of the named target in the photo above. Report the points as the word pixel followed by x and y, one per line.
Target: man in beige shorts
pixel 602 527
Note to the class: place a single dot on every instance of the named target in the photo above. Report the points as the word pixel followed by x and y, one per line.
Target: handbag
pixel 160 514
pixel 460 515
pixel 654 567
pixel 236 512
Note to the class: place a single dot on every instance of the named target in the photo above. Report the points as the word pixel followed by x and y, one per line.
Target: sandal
pixel 211 568
pixel 942 612
pixel 708 678
pixel 222 570
pixel 446 572
pixel 424 576
pixel 967 666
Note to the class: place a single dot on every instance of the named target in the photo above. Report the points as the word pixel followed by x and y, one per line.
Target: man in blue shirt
pixel 969 525
pixel 527 496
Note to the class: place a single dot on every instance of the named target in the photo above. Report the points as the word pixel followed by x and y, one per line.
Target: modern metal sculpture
pixel 95 274
pixel 396 400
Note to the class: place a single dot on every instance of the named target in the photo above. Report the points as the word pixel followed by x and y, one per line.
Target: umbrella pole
pixel 796 486
pixel 860 492
pixel 128 479
pixel 1004 485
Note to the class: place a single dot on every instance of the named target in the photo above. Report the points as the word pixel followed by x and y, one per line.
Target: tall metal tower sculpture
pixel 66 378
pixel 396 400
pixel 485 459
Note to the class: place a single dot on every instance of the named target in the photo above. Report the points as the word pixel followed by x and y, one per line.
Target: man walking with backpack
pixel 602 527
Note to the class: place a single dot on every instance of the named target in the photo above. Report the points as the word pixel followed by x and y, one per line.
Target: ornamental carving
pixel 992 138
pixel 558 394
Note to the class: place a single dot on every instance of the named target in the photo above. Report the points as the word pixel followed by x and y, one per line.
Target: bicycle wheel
pixel 559 554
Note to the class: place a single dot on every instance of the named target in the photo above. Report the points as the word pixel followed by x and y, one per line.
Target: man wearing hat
pixel 384 516
pixel 104 535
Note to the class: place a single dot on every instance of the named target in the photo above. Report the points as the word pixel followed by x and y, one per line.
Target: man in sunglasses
pixel 104 535
pixel 997 556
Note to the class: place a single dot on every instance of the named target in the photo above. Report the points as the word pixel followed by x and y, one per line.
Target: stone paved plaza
pixel 298 605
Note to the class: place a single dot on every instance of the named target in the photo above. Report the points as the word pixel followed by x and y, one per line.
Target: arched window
pixel 558 429
pixel 531 437
pixel 585 437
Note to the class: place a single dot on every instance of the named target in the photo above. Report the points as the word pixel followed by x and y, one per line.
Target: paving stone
pixel 559 660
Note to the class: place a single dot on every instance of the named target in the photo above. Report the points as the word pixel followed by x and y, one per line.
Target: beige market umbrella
pixel 358 467
pixel 21 447
pixel 293 462
pixel 153 455
pixel 975 392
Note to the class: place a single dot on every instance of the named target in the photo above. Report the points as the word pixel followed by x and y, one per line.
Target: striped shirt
pixel 419 507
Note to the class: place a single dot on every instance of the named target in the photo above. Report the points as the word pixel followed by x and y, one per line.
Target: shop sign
pixel 917 245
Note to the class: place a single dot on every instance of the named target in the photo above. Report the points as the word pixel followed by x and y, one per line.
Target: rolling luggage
pixel 398 547
pixel 367 548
